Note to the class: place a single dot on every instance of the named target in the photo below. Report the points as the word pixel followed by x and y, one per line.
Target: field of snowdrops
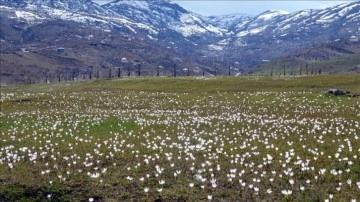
pixel 184 139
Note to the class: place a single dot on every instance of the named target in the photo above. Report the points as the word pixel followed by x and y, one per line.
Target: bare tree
pixel 176 61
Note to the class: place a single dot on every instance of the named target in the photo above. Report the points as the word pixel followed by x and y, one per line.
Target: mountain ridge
pixel 209 42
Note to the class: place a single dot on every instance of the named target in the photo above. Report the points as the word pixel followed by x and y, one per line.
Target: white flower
pixel 162 182
pixel 286 192
pixel 191 184
pixel 91 199
pixel 209 197
pixel 159 190
pixel 95 175
pixel 269 191
pixel 146 189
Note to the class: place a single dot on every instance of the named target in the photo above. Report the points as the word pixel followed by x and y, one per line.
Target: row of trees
pixel 89 73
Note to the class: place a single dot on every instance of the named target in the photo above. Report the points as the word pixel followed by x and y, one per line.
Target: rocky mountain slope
pixel 156 31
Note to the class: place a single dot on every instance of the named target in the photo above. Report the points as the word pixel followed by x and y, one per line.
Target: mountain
pixel 229 22
pixel 275 33
pixel 86 6
pixel 156 32
pixel 164 15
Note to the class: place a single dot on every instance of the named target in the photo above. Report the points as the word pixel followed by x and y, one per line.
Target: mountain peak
pixel 270 14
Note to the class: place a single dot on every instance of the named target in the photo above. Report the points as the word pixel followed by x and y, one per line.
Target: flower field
pixel 184 139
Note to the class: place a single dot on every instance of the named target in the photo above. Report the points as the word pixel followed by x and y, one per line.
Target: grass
pixel 229 138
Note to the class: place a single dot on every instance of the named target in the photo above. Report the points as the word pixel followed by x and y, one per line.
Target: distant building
pixel 60 50
pixel 354 39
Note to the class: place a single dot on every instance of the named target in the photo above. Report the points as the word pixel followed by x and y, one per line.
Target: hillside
pixel 332 58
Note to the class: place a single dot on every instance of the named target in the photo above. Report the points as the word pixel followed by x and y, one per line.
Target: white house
pixel 354 39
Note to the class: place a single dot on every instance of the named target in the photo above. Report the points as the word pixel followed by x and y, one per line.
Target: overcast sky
pixel 217 7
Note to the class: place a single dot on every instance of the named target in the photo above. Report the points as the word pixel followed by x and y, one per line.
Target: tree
pixel 119 72
pixel 176 61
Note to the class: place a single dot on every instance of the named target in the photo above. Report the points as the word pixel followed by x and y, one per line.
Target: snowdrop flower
pixel 159 190
pixel 191 185
pixel 146 189
pixel 91 199
pixel 162 182
pixel 209 197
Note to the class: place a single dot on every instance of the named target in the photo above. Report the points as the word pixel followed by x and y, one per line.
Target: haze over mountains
pixel 96 37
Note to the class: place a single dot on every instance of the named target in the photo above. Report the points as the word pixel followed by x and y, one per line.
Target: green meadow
pixel 181 139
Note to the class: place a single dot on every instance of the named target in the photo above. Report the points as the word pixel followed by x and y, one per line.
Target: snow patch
pixel 272 14
pixel 251 31
pixel 27 16
pixel 215 47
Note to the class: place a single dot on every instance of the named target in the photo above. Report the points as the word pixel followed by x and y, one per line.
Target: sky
pixel 217 7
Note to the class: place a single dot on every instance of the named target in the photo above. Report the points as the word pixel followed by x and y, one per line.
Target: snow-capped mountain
pixel 172 29
pixel 86 6
pixel 274 33
pixel 230 21
pixel 164 14
pixel 87 12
